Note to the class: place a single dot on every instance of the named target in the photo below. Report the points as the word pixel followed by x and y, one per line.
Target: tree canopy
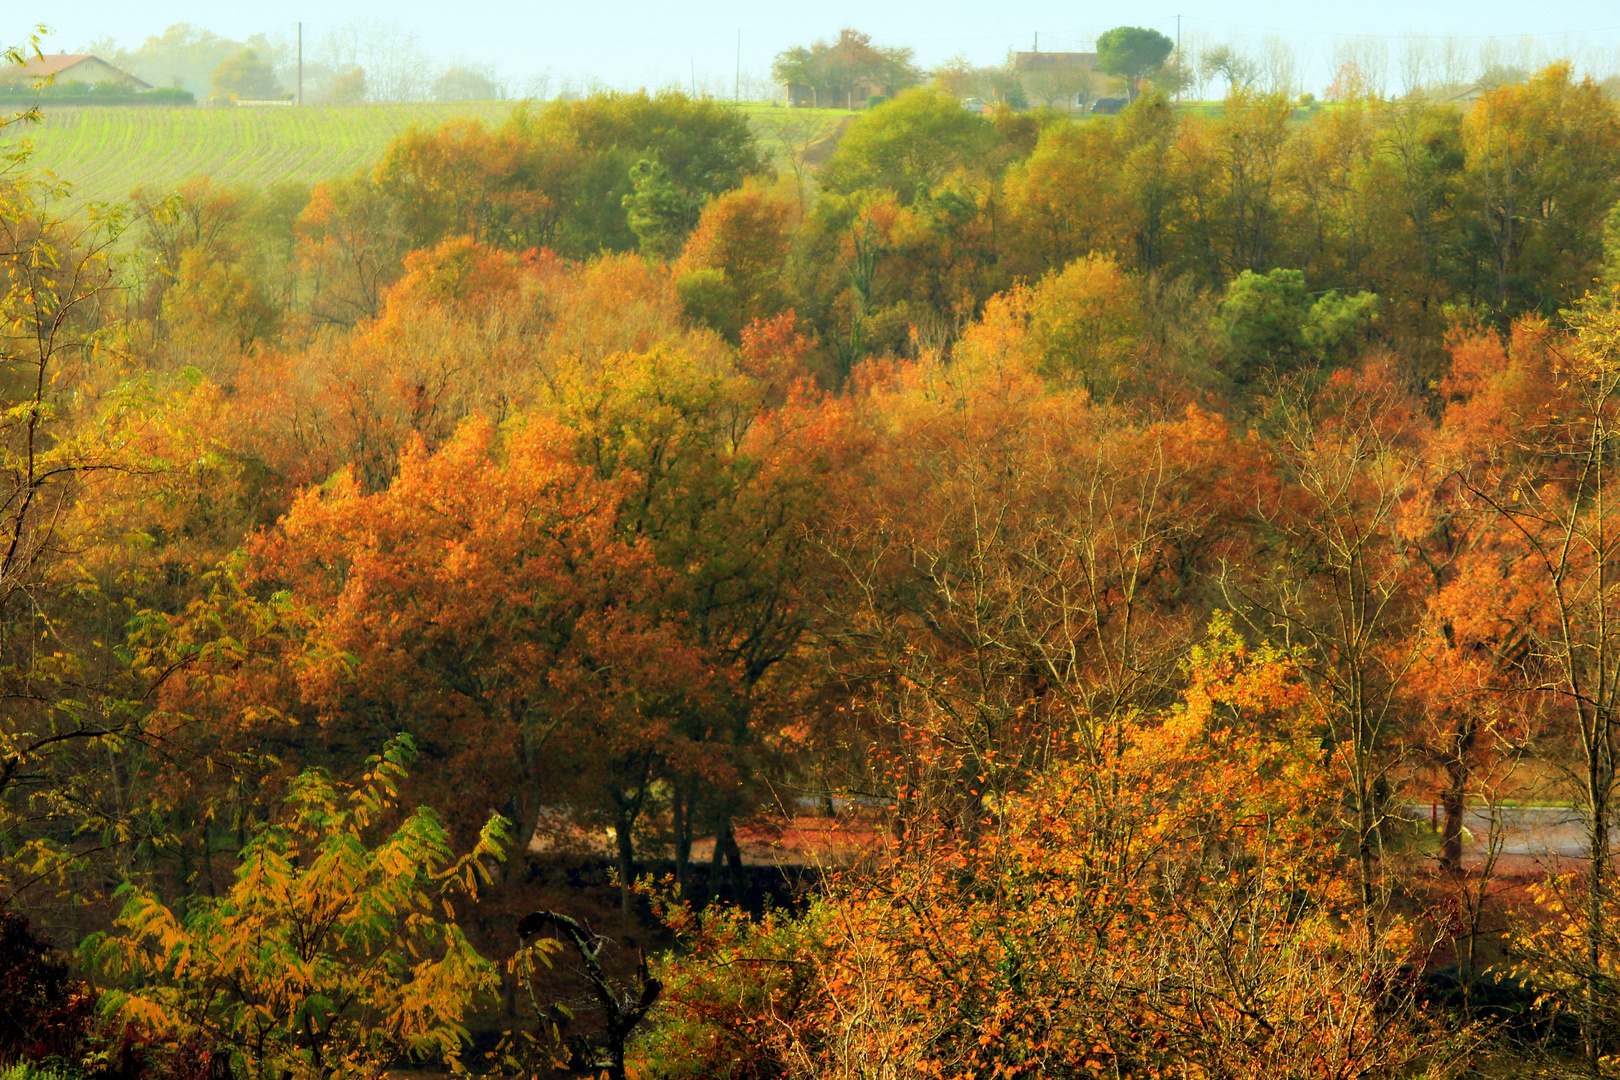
pixel 1133 53
pixel 833 70
pixel 244 75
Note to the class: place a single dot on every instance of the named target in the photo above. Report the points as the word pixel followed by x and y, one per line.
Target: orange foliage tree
pixel 349 249
pixel 484 602
pixel 1169 908
pixel 1019 573
pixel 722 485
pixel 1338 579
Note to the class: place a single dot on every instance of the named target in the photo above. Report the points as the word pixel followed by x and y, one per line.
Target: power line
pixel 1406 36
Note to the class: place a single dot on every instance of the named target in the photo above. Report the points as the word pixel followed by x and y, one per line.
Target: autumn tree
pixel 837 68
pixel 858 239
pixel 1236 194
pixel 510 186
pixel 538 652
pixel 198 215
pixel 1145 913
pixel 350 243
pixel 1048 225
pixel 743 236
pixel 559 177
pixel 912 143
pixel 1505 396
pixel 1566 532
pixel 706 147
pixel 1540 179
pixel 243 75
pixel 718 482
pixel 68 429
pixel 1339 580
pixel 467 82
pixel 1341 179
pixel 347 88
pixel 1023 589
pixel 327 956
pixel 1088 325
pixel 219 262
pixel 1154 176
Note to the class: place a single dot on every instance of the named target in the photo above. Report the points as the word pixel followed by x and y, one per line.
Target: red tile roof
pixel 40 67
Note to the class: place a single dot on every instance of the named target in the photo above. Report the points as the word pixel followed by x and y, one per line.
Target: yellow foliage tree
pixel 1080 328
pixel 1087 324
pixel 327 957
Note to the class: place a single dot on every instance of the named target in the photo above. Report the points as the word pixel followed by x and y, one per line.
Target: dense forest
pixel 1115 526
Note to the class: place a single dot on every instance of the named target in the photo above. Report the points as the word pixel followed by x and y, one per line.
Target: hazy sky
pixel 640 42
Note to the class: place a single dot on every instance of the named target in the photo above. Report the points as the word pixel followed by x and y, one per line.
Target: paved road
pixel 1553 836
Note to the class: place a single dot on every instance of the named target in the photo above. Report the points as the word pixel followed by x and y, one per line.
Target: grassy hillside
pixel 108 152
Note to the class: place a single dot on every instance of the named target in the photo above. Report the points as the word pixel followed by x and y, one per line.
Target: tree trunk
pixel 627 856
pixel 1452 799
pixel 1600 778
pixel 736 874
pixel 523 806
pixel 680 823
pixel 1455 796
pixel 726 862
pixel 524 809
pixel 716 860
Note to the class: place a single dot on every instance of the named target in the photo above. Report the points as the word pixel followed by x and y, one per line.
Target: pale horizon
pixel 654 45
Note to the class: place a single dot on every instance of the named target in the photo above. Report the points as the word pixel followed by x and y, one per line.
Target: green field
pixel 107 152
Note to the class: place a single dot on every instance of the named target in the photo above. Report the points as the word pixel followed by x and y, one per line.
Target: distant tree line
pixel 343 66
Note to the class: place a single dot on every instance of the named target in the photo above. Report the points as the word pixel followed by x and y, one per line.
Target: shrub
pixel 327 957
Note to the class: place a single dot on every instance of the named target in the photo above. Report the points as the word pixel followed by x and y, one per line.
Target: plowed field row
pixel 108 152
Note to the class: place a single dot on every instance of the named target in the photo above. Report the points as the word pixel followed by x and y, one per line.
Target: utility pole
pixel 694 78
pixel 300 64
pixel 736 87
pixel 1037 41
pixel 1180 61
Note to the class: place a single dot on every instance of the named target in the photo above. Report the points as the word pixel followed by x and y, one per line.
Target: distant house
pixel 73 68
pixel 1063 80
pixel 1024 62
pixel 803 96
pixel 1465 98
pixel 847 73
